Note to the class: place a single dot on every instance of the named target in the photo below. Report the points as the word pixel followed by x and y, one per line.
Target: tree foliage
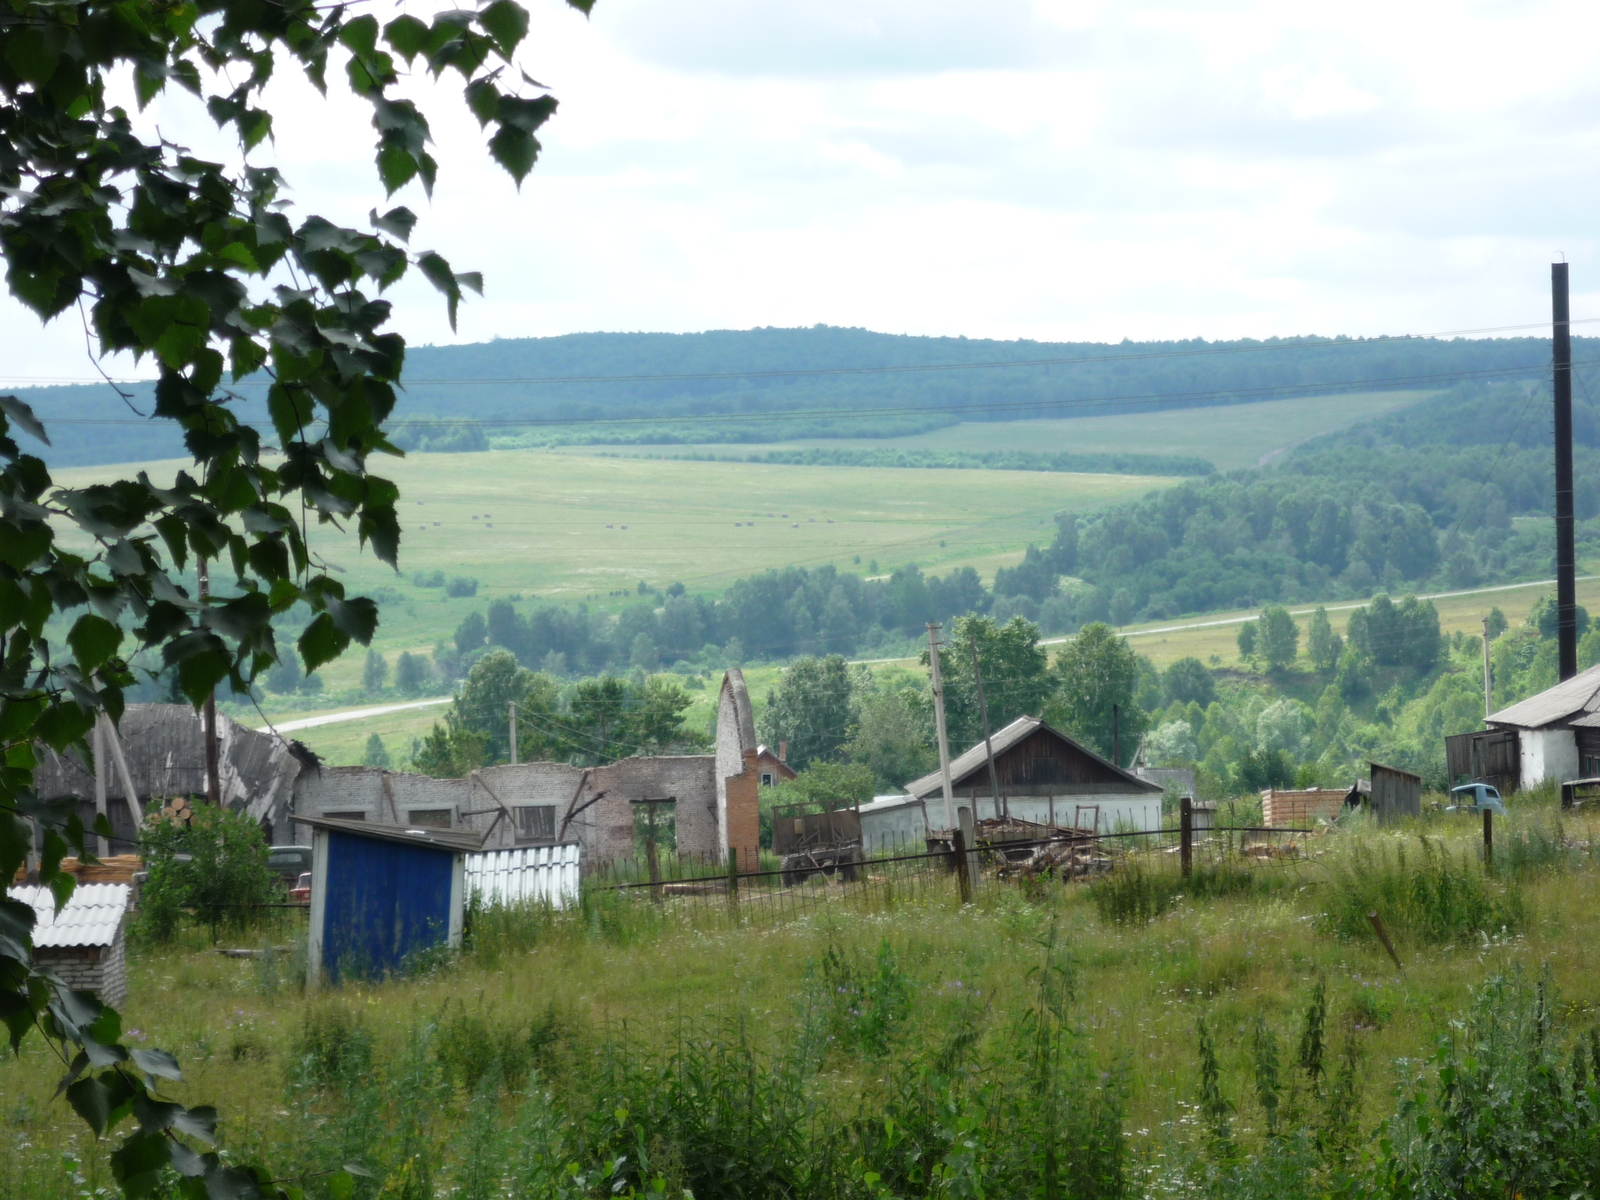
pixel 810 709
pixel 1279 637
pixel 198 267
pixel 1096 673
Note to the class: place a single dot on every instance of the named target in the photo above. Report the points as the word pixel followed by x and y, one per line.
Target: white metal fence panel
pixel 534 874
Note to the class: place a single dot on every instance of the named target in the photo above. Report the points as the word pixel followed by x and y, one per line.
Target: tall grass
pixel 1424 891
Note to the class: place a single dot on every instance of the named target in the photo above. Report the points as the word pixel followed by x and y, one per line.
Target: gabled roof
pixel 91 918
pixel 456 841
pixel 1579 694
pixel 975 760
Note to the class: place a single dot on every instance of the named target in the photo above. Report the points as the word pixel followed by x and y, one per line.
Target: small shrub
pixel 333 1047
pixel 864 1006
pixel 216 866
pixel 473 1049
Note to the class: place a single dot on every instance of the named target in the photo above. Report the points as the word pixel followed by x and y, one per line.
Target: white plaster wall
pixel 1548 754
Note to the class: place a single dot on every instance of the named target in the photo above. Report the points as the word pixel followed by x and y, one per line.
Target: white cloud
pixel 1055 169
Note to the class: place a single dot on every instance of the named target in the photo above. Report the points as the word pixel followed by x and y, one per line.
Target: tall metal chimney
pixel 1566 557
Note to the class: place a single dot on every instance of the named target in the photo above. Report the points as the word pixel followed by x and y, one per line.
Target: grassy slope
pixel 1230 437
pixel 1141 990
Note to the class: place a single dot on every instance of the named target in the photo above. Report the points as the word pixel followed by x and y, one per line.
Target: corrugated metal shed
pixel 92 916
pixel 1579 694
pixel 971 767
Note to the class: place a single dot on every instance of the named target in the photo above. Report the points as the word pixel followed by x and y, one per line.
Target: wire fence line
pixel 913 871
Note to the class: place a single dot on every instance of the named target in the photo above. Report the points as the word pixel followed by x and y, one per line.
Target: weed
pixel 865 1006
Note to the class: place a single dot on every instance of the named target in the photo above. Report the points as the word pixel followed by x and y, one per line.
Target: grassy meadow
pixel 904 1045
pixel 1229 436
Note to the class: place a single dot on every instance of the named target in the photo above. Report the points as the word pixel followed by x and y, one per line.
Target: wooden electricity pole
pixel 1488 705
pixel 938 724
pixel 1000 807
pixel 1566 557
pixel 511 706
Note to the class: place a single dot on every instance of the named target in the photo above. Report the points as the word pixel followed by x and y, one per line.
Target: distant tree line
pixel 656 402
pixel 970 460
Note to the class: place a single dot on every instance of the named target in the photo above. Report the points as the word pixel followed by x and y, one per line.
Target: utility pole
pixel 1566 568
pixel 1001 810
pixel 938 724
pixel 209 718
pixel 511 707
pixel 1488 706
pixel 1116 738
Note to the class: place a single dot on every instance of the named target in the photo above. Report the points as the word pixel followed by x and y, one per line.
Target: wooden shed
pixel 1395 793
pixel 381 894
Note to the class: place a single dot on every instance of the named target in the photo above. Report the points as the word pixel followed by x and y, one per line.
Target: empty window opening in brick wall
pixel 536 822
pixel 430 818
pixel 347 816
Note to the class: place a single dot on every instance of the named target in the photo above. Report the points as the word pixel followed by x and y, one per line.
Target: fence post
pixel 1186 835
pixel 733 878
pixel 1488 840
pixel 963 878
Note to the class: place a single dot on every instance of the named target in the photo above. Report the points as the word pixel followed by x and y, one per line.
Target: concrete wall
pixel 102 970
pixel 1548 754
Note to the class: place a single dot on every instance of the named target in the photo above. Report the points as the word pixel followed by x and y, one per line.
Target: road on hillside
pixel 355 714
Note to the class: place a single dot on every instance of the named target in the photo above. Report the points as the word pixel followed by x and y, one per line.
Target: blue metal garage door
pixel 384 902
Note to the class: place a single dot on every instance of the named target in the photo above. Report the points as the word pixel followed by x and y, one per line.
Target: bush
pixel 1429 895
pixel 215 865
pixel 460 586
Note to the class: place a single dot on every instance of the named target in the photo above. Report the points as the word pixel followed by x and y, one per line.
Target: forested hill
pixel 773 384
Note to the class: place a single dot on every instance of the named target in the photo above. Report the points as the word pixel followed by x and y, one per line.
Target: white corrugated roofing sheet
pixel 1574 695
pixel 91 917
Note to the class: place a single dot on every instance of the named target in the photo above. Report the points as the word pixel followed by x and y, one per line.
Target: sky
pixel 992 168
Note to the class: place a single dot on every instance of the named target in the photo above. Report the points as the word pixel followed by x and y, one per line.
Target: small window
pixel 536 822
pixel 429 818
pixel 766 779
pixel 347 816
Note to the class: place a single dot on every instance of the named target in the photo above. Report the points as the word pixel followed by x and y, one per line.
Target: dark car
pixel 288 863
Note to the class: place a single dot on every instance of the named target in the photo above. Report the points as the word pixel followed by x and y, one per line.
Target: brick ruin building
pixel 713 797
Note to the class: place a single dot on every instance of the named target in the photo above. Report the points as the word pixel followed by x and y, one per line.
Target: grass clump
pixel 1429 894
pixel 1132 895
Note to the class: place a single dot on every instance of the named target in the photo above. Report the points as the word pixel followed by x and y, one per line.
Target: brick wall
pixel 744 813
pixel 102 970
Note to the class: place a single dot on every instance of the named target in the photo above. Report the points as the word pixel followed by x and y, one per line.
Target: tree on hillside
pixel 377 754
pixel 374 671
pixel 1098 671
pixel 1279 637
pixel 893 736
pixel 196 266
pixel 1323 645
pixel 1188 681
pixel 1247 640
pixel 811 710
pixel 1035 576
pixel 411 673
pixel 1016 676
pixel 1390 634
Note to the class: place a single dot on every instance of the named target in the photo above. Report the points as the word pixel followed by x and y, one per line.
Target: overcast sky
pixel 999 168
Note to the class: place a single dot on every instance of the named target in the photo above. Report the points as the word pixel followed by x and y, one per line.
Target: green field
pixel 1231 436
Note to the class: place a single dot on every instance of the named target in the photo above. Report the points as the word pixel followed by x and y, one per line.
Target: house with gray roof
pixel 1045 777
pixel 1554 735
